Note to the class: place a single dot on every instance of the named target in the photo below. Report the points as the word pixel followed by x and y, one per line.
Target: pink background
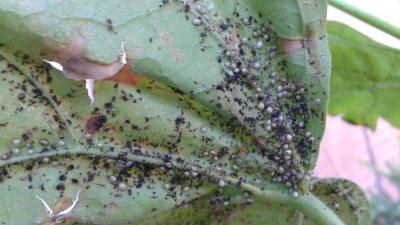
pixel 343 153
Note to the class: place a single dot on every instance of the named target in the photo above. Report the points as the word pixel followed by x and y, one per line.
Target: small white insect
pixel 61 215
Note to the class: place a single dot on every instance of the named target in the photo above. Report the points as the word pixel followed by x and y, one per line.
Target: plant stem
pixel 309 205
pixel 366 17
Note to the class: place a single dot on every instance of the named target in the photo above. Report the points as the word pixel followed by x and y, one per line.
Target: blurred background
pixel 369 157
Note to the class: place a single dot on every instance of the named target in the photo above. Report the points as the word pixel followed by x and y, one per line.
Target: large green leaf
pixel 188 132
pixel 365 77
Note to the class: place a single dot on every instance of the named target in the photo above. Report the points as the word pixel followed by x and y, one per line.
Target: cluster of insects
pixel 273 107
pixel 258 92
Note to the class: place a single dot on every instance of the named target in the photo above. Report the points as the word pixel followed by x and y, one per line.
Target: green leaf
pixel 345 198
pixel 365 77
pixel 185 132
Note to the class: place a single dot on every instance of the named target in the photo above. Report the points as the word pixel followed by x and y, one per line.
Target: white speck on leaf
pixel 90 89
pixel 54 64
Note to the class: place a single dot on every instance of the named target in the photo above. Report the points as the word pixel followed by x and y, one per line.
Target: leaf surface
pixel 365 77
pixel 188 131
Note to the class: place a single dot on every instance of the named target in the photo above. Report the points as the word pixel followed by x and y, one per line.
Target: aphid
pixel 197 22
pixel 21 96
pixel 204 129
pixel 30 151
pixel 43 142
pixel 224 25
pixel 16 142
pixel 15 151
pixel 167 186
pixel 110 26
pixel 122 186
pixel 113 178
pixel 261 106
pixel 259 44
pixel 289 137
pixel 61 143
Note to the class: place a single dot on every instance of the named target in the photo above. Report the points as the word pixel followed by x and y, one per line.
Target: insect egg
pixel 43 142
pixel 289 137
pixel 259 44
pixel 16 142
pixel 196 22
pixel 260 105
pixel 122 186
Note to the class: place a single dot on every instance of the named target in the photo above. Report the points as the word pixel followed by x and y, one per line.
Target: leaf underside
pixel 174 145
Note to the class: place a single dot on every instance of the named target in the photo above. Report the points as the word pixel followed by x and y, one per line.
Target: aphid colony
pixel 272 108
pixel 268 104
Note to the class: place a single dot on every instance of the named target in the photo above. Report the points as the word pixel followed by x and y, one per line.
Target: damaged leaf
pixel 225 116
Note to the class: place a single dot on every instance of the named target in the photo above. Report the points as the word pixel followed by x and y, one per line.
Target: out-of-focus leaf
pixel 345 198
pixel 365 82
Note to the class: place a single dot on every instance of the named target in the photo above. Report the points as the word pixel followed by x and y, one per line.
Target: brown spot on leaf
pixel 75 64
pixel 112 205
pixel 126 76
pixel 93 124
pixel 62 204
pixel 290 46
pixel 234 37
pixel 167 41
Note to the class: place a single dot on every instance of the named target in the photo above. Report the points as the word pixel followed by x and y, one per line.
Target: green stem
pixel 366 17
pixel 309 205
